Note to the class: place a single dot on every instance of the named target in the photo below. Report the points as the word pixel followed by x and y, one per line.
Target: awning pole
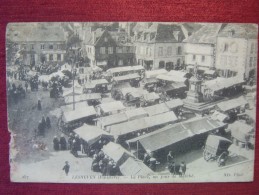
pixel 137 149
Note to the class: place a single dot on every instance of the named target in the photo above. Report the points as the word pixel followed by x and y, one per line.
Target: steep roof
pixel 33 32
pixel 248 31
pixel 93 36
pixel 206 34
pixel 161 33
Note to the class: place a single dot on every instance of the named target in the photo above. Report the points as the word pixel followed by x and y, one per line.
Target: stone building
pixel 39 44
pixel 159 45
pixel 108 49
pixel 236 51
pixel 200 48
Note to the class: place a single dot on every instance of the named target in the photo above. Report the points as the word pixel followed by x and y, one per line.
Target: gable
pixel 101 42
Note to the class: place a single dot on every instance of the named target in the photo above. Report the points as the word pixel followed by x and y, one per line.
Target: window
pixel 102 50
pixel 129 50
pixel 223 61
pixel 42 46
pixel 169 51
pixel 147 50
pixel 203 58
pixel 251 62
pixel 225 47
pixel 118 49
pixel 120 63
pixel 141 50
pixel 160 51
pixel 193 57
pixel 50 57
pixel 110 50
pixel 32 46
pixel 51 46
pixel 124 49
pixel 105 39
pixel 150 51
pixel 58 46
pixel 179 51
pixel 255 61
pixel 252 48
pixel 59 57
pixel 24 46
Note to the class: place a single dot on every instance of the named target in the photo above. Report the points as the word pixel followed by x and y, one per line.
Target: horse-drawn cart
pixel 216 148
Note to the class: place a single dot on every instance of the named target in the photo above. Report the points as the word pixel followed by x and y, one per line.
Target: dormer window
pixel 105 39
pixel 231 33
pixel 226 47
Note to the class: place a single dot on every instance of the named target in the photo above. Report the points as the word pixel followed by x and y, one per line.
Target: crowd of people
pixel 44 124
pixel 102 163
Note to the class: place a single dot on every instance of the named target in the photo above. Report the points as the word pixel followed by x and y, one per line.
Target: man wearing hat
pixel 66 168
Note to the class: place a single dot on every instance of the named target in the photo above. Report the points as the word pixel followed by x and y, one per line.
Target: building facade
pixel 159 46
pixel 102 49
pixel 237 50
pixel 41 45
pixel 200 48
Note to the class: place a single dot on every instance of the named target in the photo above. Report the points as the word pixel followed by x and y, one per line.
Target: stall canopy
pixel 116 152
pixel 93 83
pixel 132 90
pixel 128 127
pixel 240 130
pixel 126 77
pixel 112 119
pixel 79 105
pixel 155 73
pixel 172 134
pixel 112 106
pixel 92 134
pixel 171 78
pixel 135 167
pixel 78 114
pixel 175 73
pixel 156 109
pixel 125 69
pixel 161 119
pixel 71 99
pixel 210 72
pixel 162 138
pixel 69 92
pixel 219 116
pixel 82 98
pixel 203 125
pixel 151 96
pixel 136 113
pixel 142 123
pixel 175 103
pixel 222 83
pixel 232 104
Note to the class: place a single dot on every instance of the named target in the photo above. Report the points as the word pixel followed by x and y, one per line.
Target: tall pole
pixel 137 149
pixel 73 85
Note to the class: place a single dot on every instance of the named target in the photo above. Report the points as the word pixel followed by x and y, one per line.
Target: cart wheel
pixel 222 159
pixel 206 155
